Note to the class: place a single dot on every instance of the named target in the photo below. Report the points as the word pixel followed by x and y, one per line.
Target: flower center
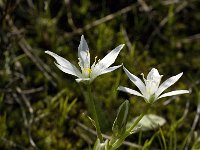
pixel 151 86
pixel 87 70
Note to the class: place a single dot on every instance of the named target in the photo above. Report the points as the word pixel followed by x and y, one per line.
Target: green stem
pixel 135 123
pixel 128 131
pixel 94 114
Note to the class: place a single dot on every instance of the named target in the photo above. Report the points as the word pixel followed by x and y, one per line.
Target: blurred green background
pixel 44 108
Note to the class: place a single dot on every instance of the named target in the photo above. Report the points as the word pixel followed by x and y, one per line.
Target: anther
pixel 88 53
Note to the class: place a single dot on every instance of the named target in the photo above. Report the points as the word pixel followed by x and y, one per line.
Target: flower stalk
pixel 94 113
pixel 119 141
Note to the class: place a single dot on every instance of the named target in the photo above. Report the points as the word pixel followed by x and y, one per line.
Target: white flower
pixel 88 73
pixel 150 89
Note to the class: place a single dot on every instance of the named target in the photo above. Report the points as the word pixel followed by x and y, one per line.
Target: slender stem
pixel 94 114
pixel 128 131
pixel 135 123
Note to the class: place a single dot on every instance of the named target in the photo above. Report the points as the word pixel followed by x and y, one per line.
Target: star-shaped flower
pixel 150 89
pixel 88 73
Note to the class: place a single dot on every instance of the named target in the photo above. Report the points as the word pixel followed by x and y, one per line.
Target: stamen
pixel 142 74
pixel 88 52
pixel 87 70
pixel 79 62
pixel 95 59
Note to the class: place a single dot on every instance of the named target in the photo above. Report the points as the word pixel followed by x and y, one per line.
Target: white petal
pixel 110 69
pixel 83 53
pixel 109 59
pixel 130 91
pixel 136 81
pixel 82 79
pixel 74 72
pixel 65 65
pixel 172 93
pixel 154 75
pixel 95 73
pixel 168 83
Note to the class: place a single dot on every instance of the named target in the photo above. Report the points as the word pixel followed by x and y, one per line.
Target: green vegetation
pixel 44 108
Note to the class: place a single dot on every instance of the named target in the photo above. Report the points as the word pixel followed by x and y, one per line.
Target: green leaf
pixel 149 122
pixel 119 125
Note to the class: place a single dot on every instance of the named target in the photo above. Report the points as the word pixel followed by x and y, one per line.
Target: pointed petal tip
pixel 121 46
pixel 51 54
pixel 82 39
pixel 185 91
pixel 180 74
pixel 47 52
pixel 188 91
